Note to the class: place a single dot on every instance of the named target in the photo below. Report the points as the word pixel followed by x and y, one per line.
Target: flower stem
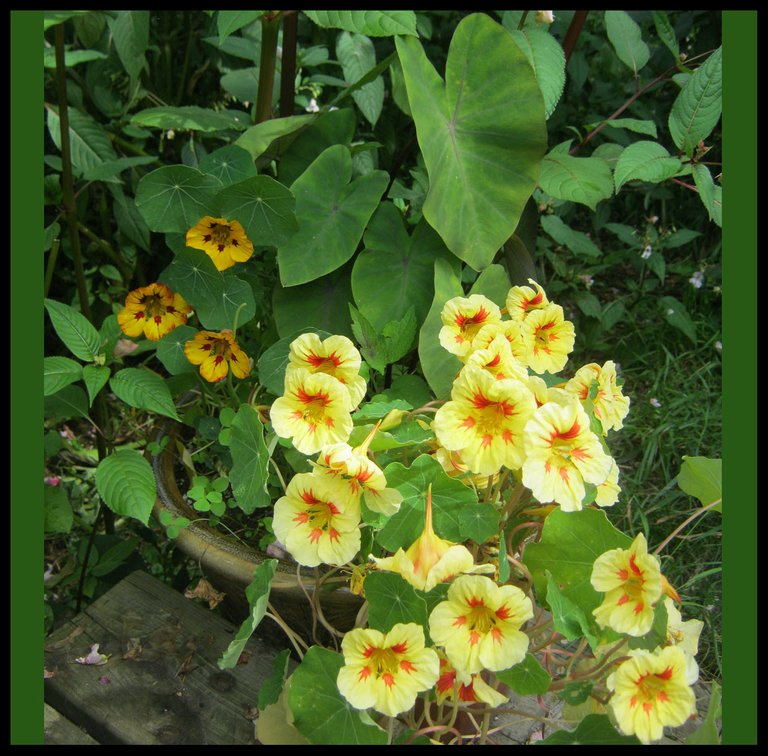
pixel 270 26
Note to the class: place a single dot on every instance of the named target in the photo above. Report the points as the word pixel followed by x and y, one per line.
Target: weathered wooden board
pixel 60 731
pixel 161 684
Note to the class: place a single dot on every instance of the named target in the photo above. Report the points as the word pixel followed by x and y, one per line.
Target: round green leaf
pixel 143 389
pixel 170 350
pixel 703 478
pixel 193 275
pixel 594 729
pixel 528 678
pixel 263 206
pixel 482 134
pixel 235 298
pixel 175 198
pixel 274 361
pixel 332 214
pixel 127 484
pixel 74 329
pixel 230 165
pixel 392 600
pixel 59 372
pixel 250 460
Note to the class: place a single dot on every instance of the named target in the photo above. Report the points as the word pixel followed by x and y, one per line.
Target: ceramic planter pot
pixel 228 564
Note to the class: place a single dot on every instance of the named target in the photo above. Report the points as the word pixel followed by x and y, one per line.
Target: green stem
pixel 49 268
pixel 522 20
pixel 185 64
pixel 112 254
pixel 288 64
pixel 270 26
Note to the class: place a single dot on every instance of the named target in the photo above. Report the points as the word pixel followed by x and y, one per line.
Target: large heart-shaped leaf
pixel 482 134
pixel 332 214
pixel 405 262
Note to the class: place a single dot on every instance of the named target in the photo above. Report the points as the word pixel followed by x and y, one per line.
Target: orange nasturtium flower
pixel 430 560
pixel 223 241
pixel 479 625
pixel 632 583
pixel 318 520
pixel 153 310
pixel 314 411
pixel 522 300
pixel 650 692
pixel 463 317
pixel 548 339
pixel 216 353
pixel 561 454
pixel 485 420
pixel 386 672
pixel 337 356
pixel 470 688
pixel 610 405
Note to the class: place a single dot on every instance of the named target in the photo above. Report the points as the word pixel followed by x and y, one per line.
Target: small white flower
pixel 587 280
pixel 655 402
pixel 653 220
pixel 313 107
pixel 545 17
pixel 719 346
pixel 697 279
pixel 670 311
pixel 170 134
pixel 646 253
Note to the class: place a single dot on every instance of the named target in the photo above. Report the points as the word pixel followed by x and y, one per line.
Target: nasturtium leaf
pixel 677 316
pixel 257 594
pixel 143 389
pixel 74 329
pixel 193 275
pixel 371 22
pixel 274 361
pixel 408 387
pixel 702 477
pixel 708 733
pixel 89 144
pixel 547 58
pixel 235 301
pixel 645 161
pixel 174 198
pixel 404 263
pixel 66 403
pixel 57 511
pixel 170 350
pixel 375 410
pixel 263 206
pixel 319 304
pixel 250 460
pixel 697 108
pixel 439 366
pixel 271 688
pixel 585 180
pixel 493 283
pixel 577 241
pixel 130 34
pixel 189 118
pixel 228 22
pixel 257 139
pixel 405 434
pixel 450 499
pixel 230 165
pixel 326 130
pixel 570 543
pixel 332 214
pixel 358 56
pixel 625 36
pixel 95 378
pixel 320 712
pixel 59 372
pixel 126 483
pixel 568 619
pixel 482 134
pixel 391 600
pixel 594 729
pixel 666 32
pixel 528 678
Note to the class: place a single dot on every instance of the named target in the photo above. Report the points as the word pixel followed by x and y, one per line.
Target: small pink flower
pixel 51 480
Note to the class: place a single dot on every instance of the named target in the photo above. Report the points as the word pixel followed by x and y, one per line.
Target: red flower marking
pixel 580 454
pixel 446 681
pixel 495 361
pixel 218 360
pixel 467 692
pixel 503 612
pixel 306 398
pixel 364 674
pixel 309 497
pixel 496 634
pixel 639 607
pixel 480 316
pixel 663 697
pixel 468 423
pixel 666 674
pixel 474 638
pixel 334 510
pixel 329 422
pixel 406 666
pixel 572 432
pixel 623 575
pixel 316 360
pixel 460 621
pixel 481 402
pixel 487 440
pixel 473 602
pixel 632 702
pixel 389 681
pixel 207 238
pixel 633 565
pixel 301 517
pixel 138 316
pixel 400 648
pixel 333 535
pixel 158 319
pixel 368 651
pixel 647 708
pixel 623 600
pixel 221 247
pixel 507 436
pixel 314 536
pixel 364 475
pixel 564 474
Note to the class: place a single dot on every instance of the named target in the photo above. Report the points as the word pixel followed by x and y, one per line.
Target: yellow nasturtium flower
pixel 548 339
pixel 463 317
pixel 337 356
pixel 610 405
pixel 561 454
pixel 479 625
pixel 314 411
pixel 684 635
pixel 386 672
pixel 511 330
pixel 223 241
pixel 216 353
pixel 430 560
pixel 650 692
pixel 632 583
pixel 153 310
pixel 318 520
pixel 470 688
pixel 498 360
pixel 484 420
pixel 608 491
pixel 522 300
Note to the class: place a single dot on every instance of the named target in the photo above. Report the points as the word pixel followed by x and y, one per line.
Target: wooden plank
pixel 60 731
pixel 161 684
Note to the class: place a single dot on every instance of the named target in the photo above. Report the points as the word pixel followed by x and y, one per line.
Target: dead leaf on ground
pixel 133 649
pixel 204 590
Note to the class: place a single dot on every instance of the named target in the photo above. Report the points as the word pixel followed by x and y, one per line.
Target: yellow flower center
pixel 318 516
pixel 220 234
pixel 153 305
pixel 650 688
pixel 384 659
